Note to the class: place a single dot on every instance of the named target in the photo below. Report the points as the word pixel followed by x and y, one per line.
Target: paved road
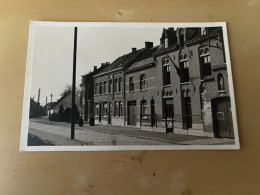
pixel 49 134
pixel 113 135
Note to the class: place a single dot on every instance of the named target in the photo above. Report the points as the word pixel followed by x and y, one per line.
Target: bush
pixel 54 117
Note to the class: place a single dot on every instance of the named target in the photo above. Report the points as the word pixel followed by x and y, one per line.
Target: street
pixel 44 132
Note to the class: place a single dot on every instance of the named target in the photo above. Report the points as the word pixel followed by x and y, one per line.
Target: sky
pixel 53 53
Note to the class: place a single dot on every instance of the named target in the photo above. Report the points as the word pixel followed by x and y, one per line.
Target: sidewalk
pixel 136 132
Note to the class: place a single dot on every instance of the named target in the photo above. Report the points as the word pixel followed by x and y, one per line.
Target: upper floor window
pixel 185 77
pixel 120 84
pixel 110 86
pixel 221 86
pixel 203 30
pixel 131 84
pixel 142 82
pixel 166 71
pixel 105 87
pixel 96 88
pixel 100 88
pixel 115 85
pixel 205 66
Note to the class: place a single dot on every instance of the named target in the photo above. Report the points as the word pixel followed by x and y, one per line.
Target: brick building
pixel 180 85
pixel 87 92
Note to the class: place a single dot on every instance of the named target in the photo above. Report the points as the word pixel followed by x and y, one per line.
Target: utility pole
pixel 74 85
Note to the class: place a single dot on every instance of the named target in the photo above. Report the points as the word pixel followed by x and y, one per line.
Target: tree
pixel 68 89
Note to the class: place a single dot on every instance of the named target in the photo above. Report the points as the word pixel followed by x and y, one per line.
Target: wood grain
pixel 131 172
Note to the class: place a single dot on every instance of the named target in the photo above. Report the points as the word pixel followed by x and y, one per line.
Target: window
pixel 110 108
pixel 96 109
pixel 110 86
pixel 166 72
pixel 181 37
pixel 96 88
pixel 131 84
pixel 221 86
pixel 142 82
pixel 205 66
pixel 185 71
pixel 166 43
pixel 120 109
pixel 100 88
pixel 143 108
pixel 105 87
pixel 115 85
pixel 105 110
pixel 120 84
pixel 116 109
pixel 203 30
pixel 168 108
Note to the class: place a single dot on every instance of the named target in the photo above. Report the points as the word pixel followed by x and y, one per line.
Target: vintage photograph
pixel 128 86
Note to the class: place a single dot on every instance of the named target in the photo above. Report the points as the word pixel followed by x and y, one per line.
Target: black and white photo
pixel 128 86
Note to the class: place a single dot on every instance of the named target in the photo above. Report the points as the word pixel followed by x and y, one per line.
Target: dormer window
pixel 166 43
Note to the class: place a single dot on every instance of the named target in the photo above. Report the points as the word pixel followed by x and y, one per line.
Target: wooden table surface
pixel 131 172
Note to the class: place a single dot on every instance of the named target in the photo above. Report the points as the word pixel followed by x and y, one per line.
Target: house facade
pixel 109 91
pixel 87 92
pixel 179 86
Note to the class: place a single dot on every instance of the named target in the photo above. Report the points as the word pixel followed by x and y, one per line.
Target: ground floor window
pixel 96 109
pixel 116 109
pixel 144 108
pixel 105 109
pixel 168 110
pixel 120 109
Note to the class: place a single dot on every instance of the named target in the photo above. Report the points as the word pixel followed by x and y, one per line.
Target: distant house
pixel 61 110
pixel 36 110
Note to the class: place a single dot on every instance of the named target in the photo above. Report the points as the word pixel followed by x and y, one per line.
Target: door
pixel 222 117
pixel 152 112
pixel 132 113
pixel 100 114
pixel 187 114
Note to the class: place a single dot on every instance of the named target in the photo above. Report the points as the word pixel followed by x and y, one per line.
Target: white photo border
pixel 28 80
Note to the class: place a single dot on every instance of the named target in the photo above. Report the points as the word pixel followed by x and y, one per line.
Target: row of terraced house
pixel 180 86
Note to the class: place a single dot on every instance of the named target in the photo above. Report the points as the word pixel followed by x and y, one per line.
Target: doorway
pixel 187 114
pixel 131 107
pixel 222 117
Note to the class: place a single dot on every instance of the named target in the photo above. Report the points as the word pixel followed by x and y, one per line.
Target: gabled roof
pixel 91 74
pixel 123 61
pixel 56 103
pixel 144 59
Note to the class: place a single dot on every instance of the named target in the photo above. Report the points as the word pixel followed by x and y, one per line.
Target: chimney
pixel 133 49
pixel 95 68
pixel 148 45
pixel 107 63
